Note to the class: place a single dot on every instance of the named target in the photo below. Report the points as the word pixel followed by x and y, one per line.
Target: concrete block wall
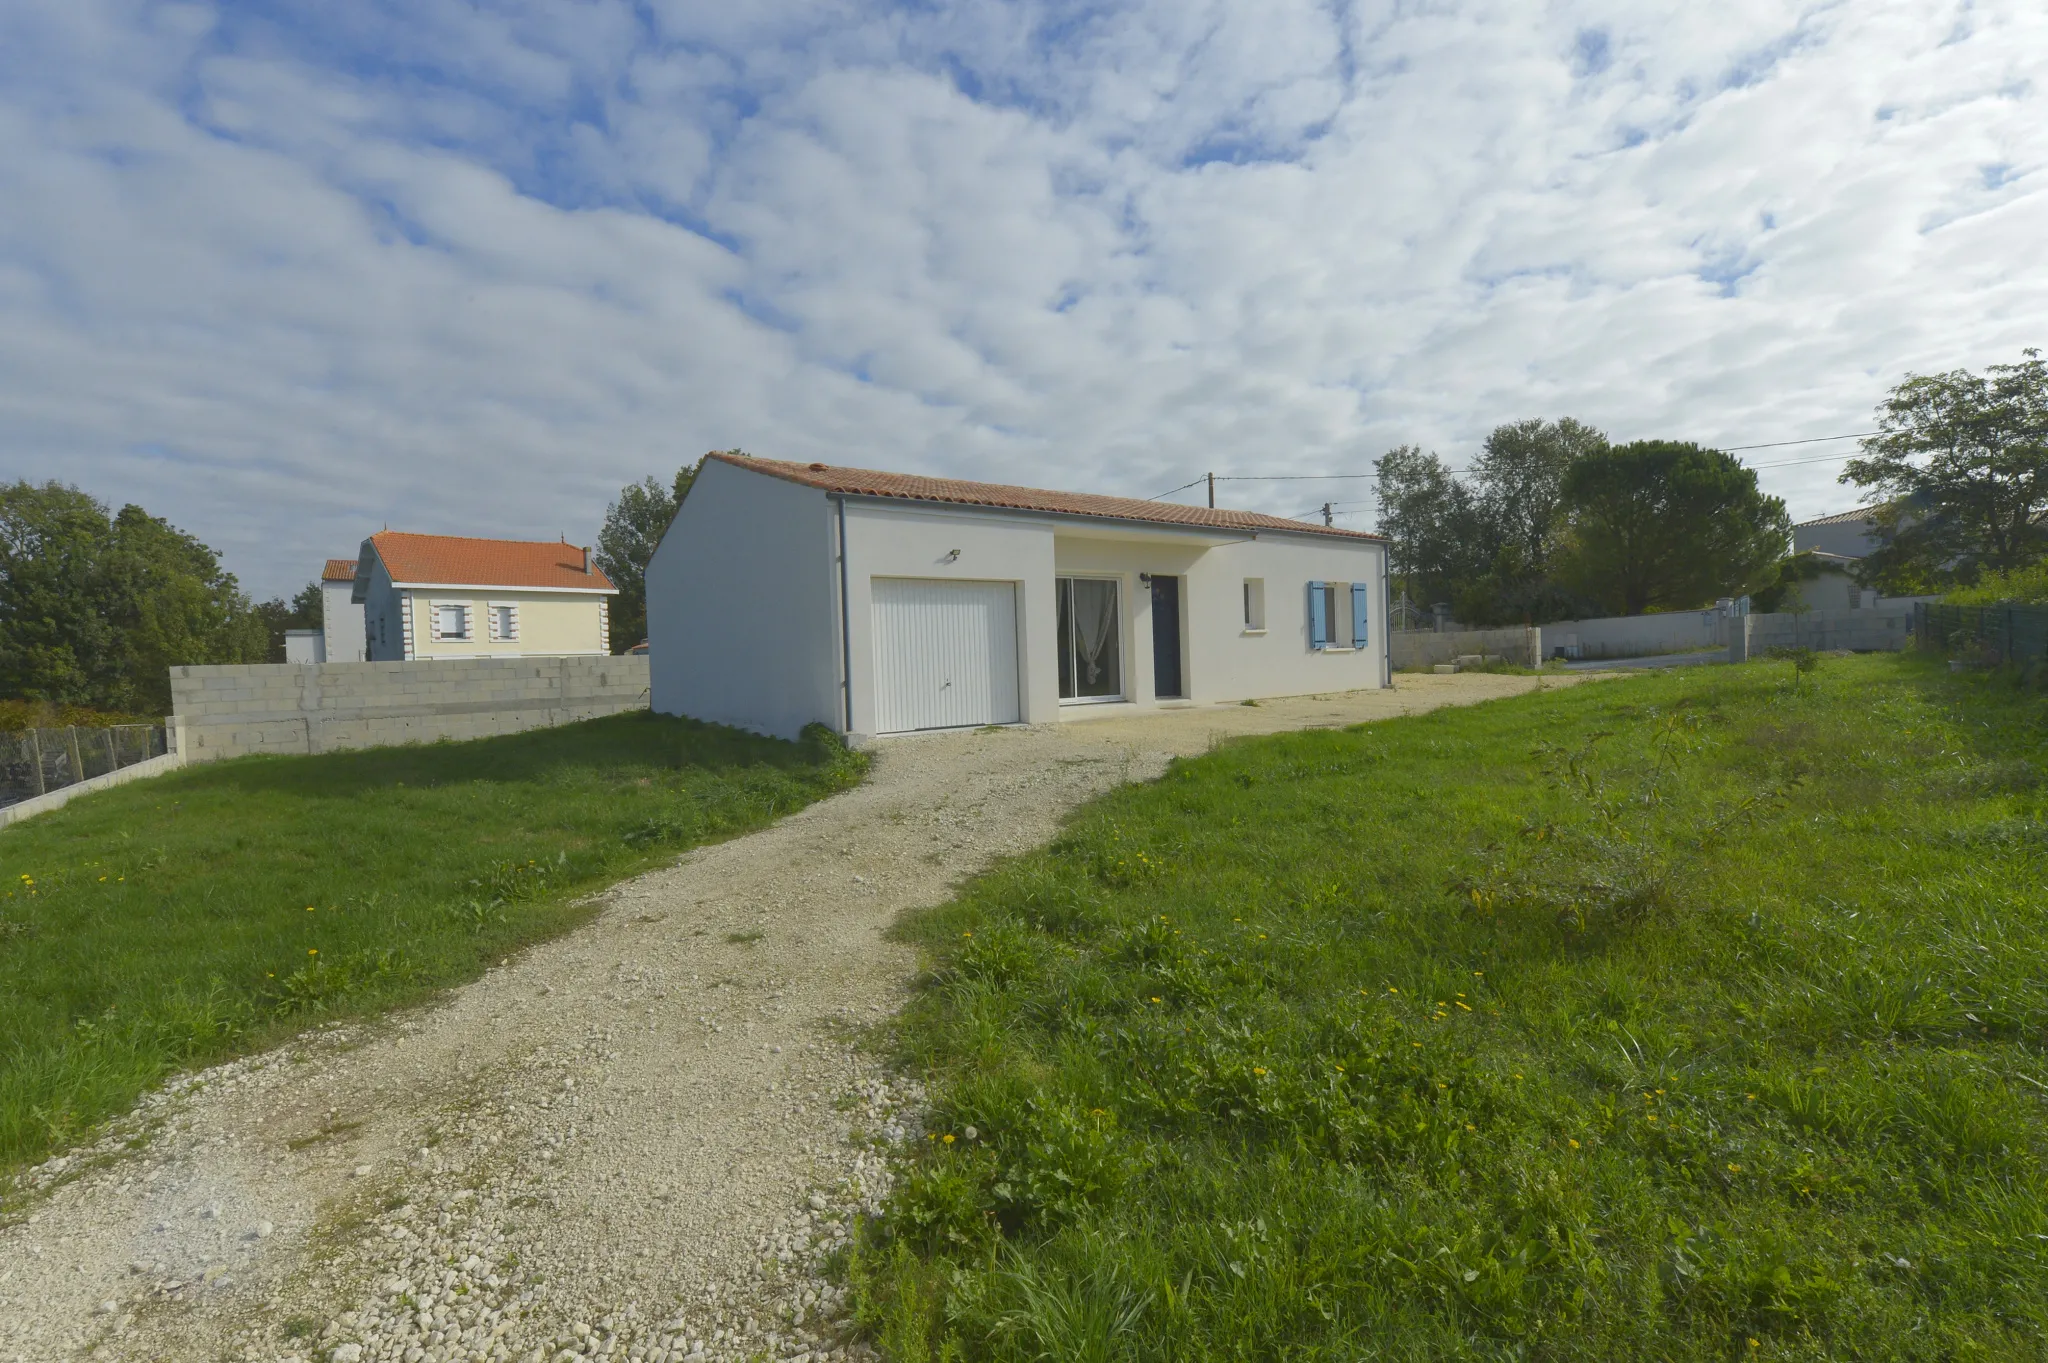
pixel 1636 636
pixel 1427 648
pixel 320 707
pixel 1858 631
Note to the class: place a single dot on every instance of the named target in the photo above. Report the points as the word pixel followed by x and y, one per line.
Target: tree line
pixel 1553 522
pixel 96 606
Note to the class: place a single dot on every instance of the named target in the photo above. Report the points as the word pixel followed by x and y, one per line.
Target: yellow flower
pixel 1734 1168
pixel 966 934
pixel 1390 990
pixel 1155 998
pixel 947 1138
pixel 1257 1070
pixel 1574 1144
pixel 312 951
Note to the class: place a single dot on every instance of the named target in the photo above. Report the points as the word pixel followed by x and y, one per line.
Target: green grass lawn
pixel 1698 1015
pixel 179 920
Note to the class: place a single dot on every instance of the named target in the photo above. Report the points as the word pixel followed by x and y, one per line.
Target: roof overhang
pixel 1079 525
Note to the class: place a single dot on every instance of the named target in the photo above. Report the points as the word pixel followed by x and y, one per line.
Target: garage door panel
pixel 945 654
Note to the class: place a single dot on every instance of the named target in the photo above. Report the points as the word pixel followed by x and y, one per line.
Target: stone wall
pixel 320 707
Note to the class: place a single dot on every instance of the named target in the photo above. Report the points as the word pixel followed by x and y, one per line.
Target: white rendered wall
pixel 886 540
pixel 1851 539
pixel 383 618
pixel 341 623
pixel 1224 661
pixel 742 606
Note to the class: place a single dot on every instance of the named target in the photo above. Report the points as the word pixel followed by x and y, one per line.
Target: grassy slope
pixel 1717 1037
pixel 182 919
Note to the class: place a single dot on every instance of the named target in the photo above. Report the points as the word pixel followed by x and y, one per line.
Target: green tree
pixel 1440 541
pixel 306 610
pixel 96 609
pixel 1961 461
pixel 633 527
pixel 1520 472
pixel 1667 525
pixel 55 634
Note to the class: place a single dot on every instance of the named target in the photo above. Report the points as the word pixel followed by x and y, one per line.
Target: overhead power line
pixel 1214 478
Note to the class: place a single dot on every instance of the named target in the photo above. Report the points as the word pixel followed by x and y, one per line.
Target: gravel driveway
pixel 634 1142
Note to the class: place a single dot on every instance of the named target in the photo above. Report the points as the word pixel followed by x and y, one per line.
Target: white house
pixel 445 596
pixel 341 620
pixel 1846 534
pixel 786 594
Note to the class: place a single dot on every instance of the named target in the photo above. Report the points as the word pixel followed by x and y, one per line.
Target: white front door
pixel 945 653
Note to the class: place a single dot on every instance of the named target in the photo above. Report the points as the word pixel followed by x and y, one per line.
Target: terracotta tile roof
pixel 486 563
pixel 1859 515
pixel 339 570
pixel 914 488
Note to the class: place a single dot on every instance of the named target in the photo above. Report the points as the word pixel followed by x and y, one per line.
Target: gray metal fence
pixel 2006 633
pixel 37 761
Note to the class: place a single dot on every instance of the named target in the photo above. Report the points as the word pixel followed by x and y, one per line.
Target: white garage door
pixel 945 654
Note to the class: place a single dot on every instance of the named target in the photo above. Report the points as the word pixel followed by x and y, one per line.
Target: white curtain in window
pixel 1094 618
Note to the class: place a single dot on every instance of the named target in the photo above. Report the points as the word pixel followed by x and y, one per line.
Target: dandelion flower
pixel 1258 1069
pixel 1574 1144
pixel 312 951
pixel 1155 998
pixel 1734 1168
pixel 947 1138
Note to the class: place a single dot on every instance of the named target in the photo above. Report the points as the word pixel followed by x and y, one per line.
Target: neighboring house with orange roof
pixel 787 594
pixel 341 619
pixel 446 596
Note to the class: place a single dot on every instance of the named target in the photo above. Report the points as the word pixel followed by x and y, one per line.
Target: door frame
pixel 1123 677
pixel 1180 633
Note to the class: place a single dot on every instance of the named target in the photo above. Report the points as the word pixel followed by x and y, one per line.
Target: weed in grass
pixel 1252 1075
pixel 217 909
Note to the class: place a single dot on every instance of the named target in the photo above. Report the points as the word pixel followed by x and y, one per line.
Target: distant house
pixel 1834 586
pixel 1846 534
pixel 443 596
pixel 341 619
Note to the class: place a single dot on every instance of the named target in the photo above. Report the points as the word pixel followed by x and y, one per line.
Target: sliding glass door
pixel 1091 639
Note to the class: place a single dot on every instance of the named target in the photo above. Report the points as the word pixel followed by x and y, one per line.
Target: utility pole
pixel 1326 513
pixel 1212 491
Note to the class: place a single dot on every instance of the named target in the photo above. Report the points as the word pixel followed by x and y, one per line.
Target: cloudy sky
pixel 288 272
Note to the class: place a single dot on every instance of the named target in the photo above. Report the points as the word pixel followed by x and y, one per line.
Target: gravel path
pixel 636 1142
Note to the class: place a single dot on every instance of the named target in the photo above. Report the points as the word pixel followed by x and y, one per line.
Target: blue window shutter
pixel 1361 636
pixel 1318 626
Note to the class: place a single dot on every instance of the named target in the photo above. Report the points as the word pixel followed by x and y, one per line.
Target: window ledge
pixel 1254 631
pixel 1337 648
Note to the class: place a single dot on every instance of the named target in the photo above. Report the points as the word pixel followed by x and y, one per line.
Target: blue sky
pixel 287 273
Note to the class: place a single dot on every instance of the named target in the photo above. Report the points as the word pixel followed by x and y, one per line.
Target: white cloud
pixel 471 267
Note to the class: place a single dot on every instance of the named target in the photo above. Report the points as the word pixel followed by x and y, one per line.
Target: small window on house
pixel 504 622
pixel 1337 615
pixel 1336 597
pixel 451 622
pixel 1255 604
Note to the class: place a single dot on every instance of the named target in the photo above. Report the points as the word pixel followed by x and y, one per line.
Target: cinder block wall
pixel 319 707
pixel 1426 648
